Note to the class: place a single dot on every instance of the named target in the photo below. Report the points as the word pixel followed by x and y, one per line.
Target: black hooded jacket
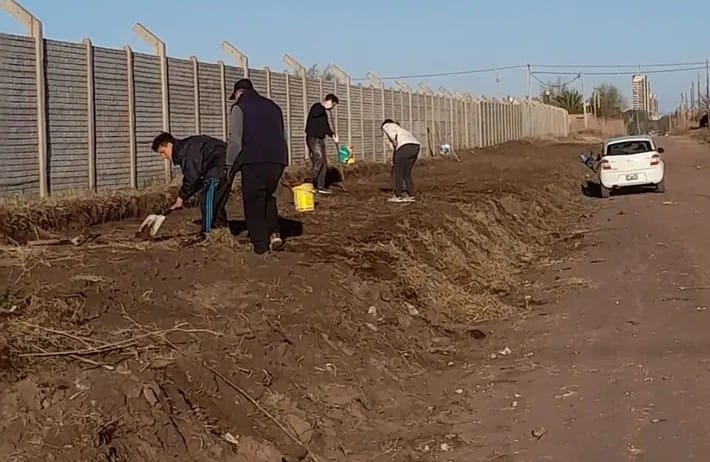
pixel 201 158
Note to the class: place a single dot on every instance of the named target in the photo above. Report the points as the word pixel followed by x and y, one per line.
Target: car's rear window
pixel 624 148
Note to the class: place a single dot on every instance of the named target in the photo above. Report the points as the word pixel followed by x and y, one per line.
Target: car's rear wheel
pixel 661 187
pixel 604 191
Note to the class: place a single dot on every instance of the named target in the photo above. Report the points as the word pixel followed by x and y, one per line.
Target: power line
pixel 639 68
pixel 452 73
pixel 640 71
pixel 616 66
pixel 559 85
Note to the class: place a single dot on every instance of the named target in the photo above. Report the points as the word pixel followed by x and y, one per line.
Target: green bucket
pixel 344 154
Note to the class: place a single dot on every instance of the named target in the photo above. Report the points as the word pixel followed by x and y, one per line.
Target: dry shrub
pixel 702 135
pixel 460 269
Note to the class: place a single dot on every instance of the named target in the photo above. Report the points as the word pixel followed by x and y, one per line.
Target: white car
pixel 630 161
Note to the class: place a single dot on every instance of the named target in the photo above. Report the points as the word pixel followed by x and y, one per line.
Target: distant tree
pixel 569 99
pixel 315 73
pixel 607 101
pixel 550 91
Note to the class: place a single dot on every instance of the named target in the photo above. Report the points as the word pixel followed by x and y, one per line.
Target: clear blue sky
pixel 396 37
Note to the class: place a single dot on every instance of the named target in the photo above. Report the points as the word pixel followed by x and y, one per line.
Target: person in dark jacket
pixel 202 160
pixel 257 147
pixel 317 128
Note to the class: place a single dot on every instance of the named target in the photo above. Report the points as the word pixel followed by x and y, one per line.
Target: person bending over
pixel 405 151
pixel 202 161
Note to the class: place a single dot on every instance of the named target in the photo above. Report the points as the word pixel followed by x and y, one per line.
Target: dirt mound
pixel 24 220
pixel 340 348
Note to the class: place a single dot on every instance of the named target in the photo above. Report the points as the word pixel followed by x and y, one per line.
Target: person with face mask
pixel 317 128
pixel 202 161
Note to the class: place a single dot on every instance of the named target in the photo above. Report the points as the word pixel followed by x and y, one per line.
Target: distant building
pixel 641 93
pixel 653 107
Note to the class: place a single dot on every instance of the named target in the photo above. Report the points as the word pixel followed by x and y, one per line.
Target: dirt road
pixel 619 370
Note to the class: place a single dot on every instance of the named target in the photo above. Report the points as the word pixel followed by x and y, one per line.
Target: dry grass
pixel 22 220
pixel 458 270
pixel 702 134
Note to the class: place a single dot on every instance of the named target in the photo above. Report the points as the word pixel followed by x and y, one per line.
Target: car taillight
pixel 655 160
pixel 606 165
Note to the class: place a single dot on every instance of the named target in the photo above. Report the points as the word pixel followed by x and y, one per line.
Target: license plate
pixel 632 177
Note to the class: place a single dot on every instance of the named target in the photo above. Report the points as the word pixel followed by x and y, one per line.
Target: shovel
pixel 153 222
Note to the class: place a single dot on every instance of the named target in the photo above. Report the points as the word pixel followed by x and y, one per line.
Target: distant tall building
pixel 653 107
pixel 641 93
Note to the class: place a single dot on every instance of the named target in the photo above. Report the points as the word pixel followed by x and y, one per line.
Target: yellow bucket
pixel 304 197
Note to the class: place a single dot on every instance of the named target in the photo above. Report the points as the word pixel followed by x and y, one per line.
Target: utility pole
pixel 699 94
pixel 598 102
pixel 707 86
pixel 584 102
pixel 530 83
pixel 692 96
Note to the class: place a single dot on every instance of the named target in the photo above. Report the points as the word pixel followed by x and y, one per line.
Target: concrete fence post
pixel 406 88
pixel 466 126
pixel 196 93
pixel 90 112
pixel 267 71
pixel 374 137
pixel 429 121
pixel 448 98
pixel 454 104
pixel 362 118
pixel 394 107
pixel 343 78
pixel 223 98
pixel 302 73
pixel 241 59
pixel 160 50
pixel 34 30
pixel 288 118
pixel 379 83
pixel 132 141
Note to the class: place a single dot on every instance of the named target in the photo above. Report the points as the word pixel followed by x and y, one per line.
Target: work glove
pixel 335 138
pixel 179 203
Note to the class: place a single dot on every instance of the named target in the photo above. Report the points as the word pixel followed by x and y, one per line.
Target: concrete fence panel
pixel 101 109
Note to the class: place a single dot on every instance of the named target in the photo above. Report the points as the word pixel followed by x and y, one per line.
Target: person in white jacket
pixel 405 149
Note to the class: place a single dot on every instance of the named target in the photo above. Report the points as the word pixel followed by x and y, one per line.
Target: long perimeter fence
pixel 74 116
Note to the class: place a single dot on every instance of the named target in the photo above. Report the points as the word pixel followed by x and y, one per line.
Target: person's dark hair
pixel 332 97
pixel 241 84
pixel 388 121
pixel 161 140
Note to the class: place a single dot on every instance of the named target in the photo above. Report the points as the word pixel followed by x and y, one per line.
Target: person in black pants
pixel 257 147
pixel 317 128
pixel 202 160
pixel 405 149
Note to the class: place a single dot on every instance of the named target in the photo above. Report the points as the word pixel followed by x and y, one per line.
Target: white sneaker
pixel 325 191
pixel 396 199
pixel 276 243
